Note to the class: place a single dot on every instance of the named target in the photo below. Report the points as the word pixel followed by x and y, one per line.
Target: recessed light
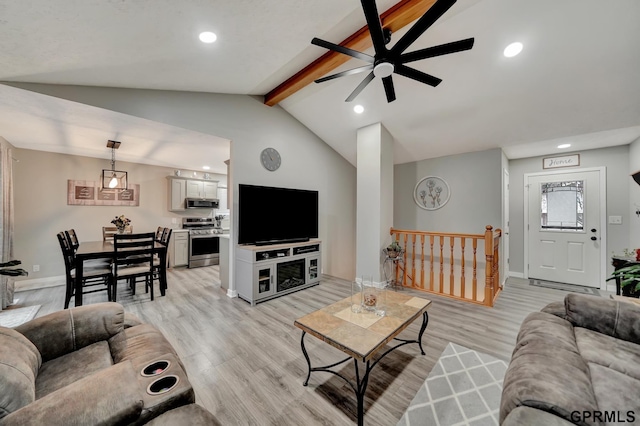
pixel 513 49
pixel 564 145
pixel 208 37
pixel 358 109
pixel 206 167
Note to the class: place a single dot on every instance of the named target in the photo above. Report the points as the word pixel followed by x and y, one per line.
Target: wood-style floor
pixel 246 365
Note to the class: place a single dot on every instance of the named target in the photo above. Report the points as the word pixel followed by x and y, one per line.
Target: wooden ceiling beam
pixel 397 17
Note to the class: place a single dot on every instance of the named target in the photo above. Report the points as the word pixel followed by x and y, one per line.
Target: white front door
pixel 565 228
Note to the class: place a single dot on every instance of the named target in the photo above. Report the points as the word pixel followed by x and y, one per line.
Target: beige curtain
pixel 6 222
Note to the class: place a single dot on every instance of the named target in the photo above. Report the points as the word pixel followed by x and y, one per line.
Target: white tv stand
pixel 265 272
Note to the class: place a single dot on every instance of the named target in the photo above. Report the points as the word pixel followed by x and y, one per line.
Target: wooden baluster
pixel 463 291
pixel 413 260
pixel 452 283
pixel 422 261
pixel 441 264
pixel 431 278
pixel 488 271
pixel 474 280
pixel 405 276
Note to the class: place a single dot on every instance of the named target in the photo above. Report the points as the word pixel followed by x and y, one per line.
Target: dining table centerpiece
pixel 121 222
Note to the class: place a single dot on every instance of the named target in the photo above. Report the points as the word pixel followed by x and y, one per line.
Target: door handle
pixel 594 230
pixel 594 238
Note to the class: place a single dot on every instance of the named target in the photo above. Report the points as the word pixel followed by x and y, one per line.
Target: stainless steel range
pixel 204 242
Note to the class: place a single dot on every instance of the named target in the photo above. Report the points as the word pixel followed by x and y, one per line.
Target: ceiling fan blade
pixel 443 49
pixel 430 16
pixel 360 87
pixel 374 24
pixel 342 49
pixel 388 89
pixel 345 73
pixel 417 75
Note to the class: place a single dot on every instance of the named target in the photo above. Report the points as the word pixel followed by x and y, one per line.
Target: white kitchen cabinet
pixel 222 196
pixel 179 248
pixel 177 194
pixel 202 189
pixel 210 189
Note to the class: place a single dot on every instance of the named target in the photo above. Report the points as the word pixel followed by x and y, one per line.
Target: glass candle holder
pixel 356 297
pixel 369 294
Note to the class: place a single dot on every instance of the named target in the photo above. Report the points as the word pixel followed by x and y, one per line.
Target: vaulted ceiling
pixel 576 79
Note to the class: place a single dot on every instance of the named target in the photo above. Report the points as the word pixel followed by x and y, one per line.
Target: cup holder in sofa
pixel 155 368
pixel 162 385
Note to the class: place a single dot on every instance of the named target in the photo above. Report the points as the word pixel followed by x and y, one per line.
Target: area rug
pixel 565 287
pixel 13 317
pixel 464 388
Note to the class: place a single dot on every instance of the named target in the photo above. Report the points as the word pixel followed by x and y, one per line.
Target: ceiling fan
pixel 389 61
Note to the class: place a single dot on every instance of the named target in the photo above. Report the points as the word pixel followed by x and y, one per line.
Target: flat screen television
pixel 269 215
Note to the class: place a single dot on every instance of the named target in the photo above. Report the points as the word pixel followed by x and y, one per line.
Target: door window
pixel 562 206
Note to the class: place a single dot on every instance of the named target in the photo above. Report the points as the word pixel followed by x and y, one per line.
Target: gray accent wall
pixel 615 159
pixel 307 162
pixel 475 182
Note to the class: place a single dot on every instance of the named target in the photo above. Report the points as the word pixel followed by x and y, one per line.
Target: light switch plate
pixel 615 220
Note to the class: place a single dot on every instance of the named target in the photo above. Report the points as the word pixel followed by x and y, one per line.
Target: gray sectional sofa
pixel 88 366
pixel 576 362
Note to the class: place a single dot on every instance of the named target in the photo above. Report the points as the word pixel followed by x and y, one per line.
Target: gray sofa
pixel 576 362
pixel 86 366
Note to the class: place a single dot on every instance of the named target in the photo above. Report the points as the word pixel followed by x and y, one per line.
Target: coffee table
pixel 362 335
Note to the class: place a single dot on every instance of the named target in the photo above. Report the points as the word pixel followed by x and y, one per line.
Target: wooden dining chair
pixel 109 231
pixel 99 276
pixel 133 259
pixel 74 242
pixel 159 267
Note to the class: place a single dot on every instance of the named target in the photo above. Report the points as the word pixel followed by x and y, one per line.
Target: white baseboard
pixel 38 283
pixel 516 274
pixel 232 293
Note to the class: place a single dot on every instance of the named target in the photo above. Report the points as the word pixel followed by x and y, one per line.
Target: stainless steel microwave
pixel 202 203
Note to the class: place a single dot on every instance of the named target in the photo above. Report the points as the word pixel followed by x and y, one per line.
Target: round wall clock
pixel 431 193
pixel 270 159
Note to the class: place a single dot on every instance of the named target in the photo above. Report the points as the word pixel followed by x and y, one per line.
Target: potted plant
pixel 13 272
pixel 394 249
pixel 629 277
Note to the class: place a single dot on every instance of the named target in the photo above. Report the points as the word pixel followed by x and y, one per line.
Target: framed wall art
pixel 88 193
pixel 431 193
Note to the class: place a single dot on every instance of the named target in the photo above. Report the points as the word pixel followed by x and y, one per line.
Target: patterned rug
pixel 13 317
pixel 566 287
pixel 464 388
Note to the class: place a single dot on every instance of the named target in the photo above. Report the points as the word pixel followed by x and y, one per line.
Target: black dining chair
pixel 159 267
pixel 133 256
pixel 93 276
pixel 74 242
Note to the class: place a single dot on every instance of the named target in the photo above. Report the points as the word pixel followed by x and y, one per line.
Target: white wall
pixel 475 182
pixel 615 159
pixel 307 162
pixel 634 196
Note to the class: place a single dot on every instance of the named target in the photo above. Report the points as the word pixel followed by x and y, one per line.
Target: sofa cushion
pixel 19 364
pixel 63 332
pixel 67 369
pixel 606 316
pixel 138 344
pixel 616 354
pixel 192 415
pixel 546 370
pixel 532 417
pixel 616 392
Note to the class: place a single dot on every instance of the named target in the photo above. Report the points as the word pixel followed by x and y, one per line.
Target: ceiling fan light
pixel 513 49
pixel 383 69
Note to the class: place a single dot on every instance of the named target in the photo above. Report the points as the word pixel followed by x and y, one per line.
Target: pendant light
pixel 113 180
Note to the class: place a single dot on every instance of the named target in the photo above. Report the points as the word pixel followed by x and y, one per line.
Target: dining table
pixel 88 250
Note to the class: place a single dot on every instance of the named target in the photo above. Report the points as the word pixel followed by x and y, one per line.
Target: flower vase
pixel 369 294
pixel 120 230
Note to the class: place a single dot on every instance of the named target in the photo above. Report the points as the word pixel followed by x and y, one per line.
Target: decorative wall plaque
pixel 431 193
pixel 88 193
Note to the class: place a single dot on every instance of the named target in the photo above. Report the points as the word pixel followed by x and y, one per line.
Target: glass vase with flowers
pixel 121 222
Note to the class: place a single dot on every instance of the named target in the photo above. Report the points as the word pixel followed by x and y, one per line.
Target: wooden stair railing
pixel 448 276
